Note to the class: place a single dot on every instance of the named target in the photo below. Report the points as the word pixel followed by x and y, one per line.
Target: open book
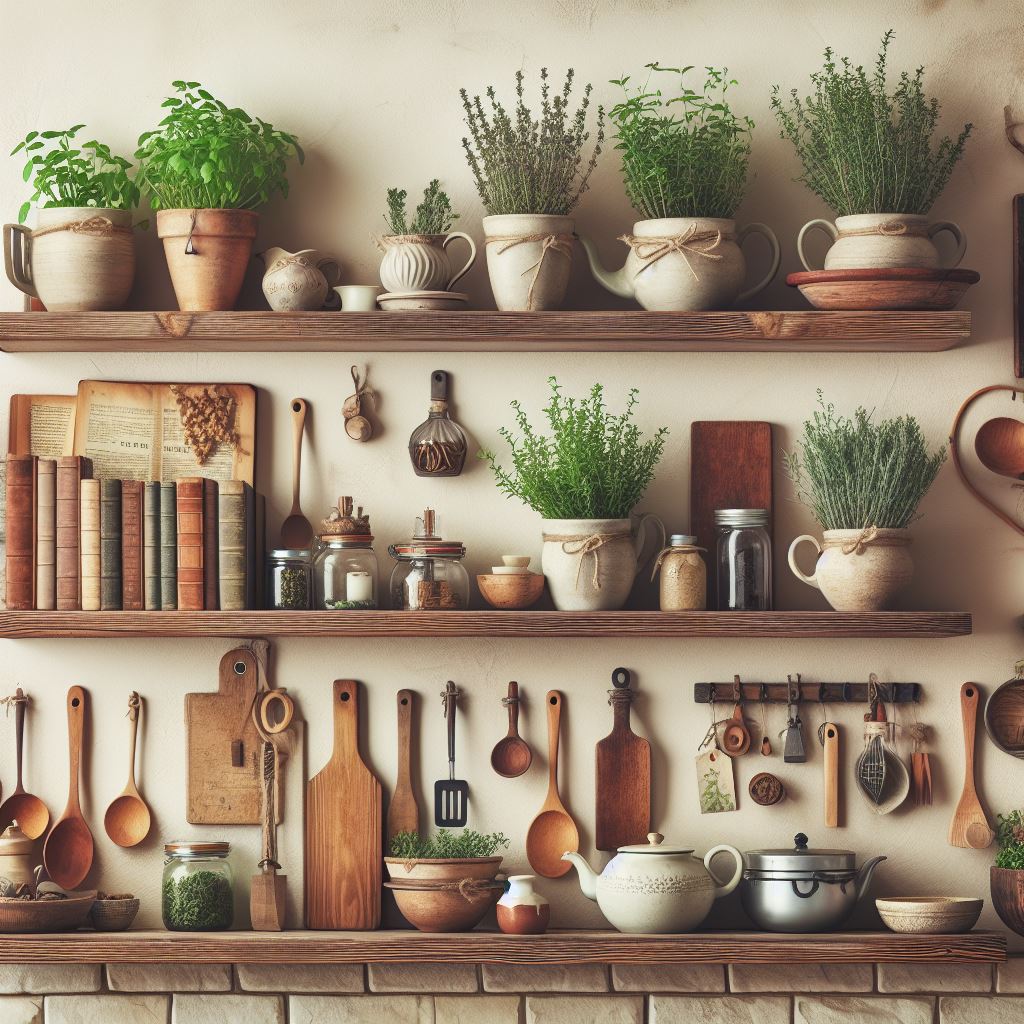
pixel 42 425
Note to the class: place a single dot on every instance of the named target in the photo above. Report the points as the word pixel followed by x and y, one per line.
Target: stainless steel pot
pixel 803 890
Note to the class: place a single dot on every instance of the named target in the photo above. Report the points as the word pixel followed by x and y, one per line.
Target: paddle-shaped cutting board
pixel 344 854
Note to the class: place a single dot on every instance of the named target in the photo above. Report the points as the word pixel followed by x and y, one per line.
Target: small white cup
pixel 358 298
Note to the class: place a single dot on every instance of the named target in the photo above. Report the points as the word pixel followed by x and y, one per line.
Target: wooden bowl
pixel 937 915
pixel 445 910
pixel 113 915
pixel 512 591
pixel 1004 717
pixel 441 869
pixel 1007 887
pixel 908 288
pixel 46 915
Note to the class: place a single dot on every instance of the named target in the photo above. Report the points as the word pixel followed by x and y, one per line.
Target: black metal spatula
pixel 451 796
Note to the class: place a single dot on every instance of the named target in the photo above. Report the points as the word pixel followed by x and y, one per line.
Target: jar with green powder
pixel 198 888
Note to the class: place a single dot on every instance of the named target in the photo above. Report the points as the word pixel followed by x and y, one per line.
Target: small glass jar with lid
pixel 198 887
pixel 345 567
pixel 430 575
pixel 684 576
pixel 288 579
pixel 743 559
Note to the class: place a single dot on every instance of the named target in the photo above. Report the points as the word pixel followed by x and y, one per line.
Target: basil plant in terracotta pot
pixel 207 167
pixel 585 478
pixel 863 481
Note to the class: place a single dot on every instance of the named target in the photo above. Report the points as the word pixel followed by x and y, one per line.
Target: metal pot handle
pixel 805 895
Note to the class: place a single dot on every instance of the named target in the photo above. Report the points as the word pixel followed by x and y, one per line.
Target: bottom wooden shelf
pixel 555 948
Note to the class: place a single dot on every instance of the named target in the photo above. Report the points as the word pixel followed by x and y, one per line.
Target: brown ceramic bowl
pixel 512 592
pixel 113 915
pixel 444 910
pixel 907 288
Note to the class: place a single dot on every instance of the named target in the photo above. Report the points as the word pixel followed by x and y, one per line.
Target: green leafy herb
pixel 448 845
pixel 200 901
pixel 864 149
pixel 685 156
pixel 434 215
pixel 594 465
pixel 1010 837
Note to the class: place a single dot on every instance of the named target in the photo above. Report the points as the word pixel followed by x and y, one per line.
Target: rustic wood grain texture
pixel 403 811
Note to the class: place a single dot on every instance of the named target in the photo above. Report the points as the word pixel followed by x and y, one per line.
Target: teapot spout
pixel 588 880
pixel 865 873
pixel 614 281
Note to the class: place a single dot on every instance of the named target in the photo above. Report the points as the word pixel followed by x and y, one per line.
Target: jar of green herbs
pixel 289 579
pixel 198 888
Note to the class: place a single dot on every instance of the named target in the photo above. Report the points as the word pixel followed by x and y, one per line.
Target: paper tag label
pixel 716 786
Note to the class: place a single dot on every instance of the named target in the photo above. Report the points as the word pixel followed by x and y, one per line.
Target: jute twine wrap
pixel 385 242
pixel 583 545
pixel 889 228
pixel 866 537
pixel 561 244
pixel 688 243
pixel 97 227
pixel 468 888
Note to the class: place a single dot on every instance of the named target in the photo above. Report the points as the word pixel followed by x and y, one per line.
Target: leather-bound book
pixel 21 532
pixel 231 545
pixel 151 545
pixel 253 547
pixel 110 545
pixel 168 546
pixel 89 544
pixel 211 561
pixel 46 534
pixel 190 544
pixel 132 599
pixel 71 470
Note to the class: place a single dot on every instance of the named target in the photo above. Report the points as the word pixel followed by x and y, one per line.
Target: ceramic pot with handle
pixel 420 263
pixel 299 281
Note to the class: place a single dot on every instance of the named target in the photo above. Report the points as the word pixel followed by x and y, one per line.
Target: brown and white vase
pixel 522 910
pixel 529 256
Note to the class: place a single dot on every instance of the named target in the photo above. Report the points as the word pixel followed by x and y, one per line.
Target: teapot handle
pixel 452 235
pixel 640 541
pixel 958 235
pixel 822 225
pixel 761 229
pixel 812 580
pixel 724 890
pixel 17 258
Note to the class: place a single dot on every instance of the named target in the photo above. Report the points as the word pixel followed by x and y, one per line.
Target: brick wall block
pixel 801 978
pixel 981 1010
pixel 928 978
pixel 514 978
pixel 668 978
pixel 476 1010
pixel 719 1010
pixel 313 1009
pixel 423 978
pixel 300 977
pixel 43 979
pixel 855 1010
pixel 21 1009
pixel 592 1009
pixel 169 977
pixel 106 1009
pixel 204 1009
pixel 1010 976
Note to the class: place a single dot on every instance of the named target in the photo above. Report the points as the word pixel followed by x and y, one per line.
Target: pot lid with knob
pixel 655 845
pixel 801 858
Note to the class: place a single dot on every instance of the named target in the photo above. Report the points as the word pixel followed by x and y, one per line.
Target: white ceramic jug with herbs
pixel 420 263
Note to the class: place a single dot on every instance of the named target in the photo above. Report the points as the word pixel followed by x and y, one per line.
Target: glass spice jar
pixel 198 887
pixel 429 575
pixel 743 559
pixel 288 579
pixel 684 577
pixel 345 567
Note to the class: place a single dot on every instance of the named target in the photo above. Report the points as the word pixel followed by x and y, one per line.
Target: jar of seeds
pixel 288 579
pixel 684 577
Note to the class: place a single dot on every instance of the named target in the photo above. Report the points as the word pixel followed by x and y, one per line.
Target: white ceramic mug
pixel 358 298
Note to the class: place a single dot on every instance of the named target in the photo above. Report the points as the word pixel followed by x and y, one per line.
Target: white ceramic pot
pixel 298 281
pixel 77 258
pixel 881 240
pixel 685 263
pixel 656 889
pixel 591 564
pixel 858 570
pixel 420 263
pixel 529 256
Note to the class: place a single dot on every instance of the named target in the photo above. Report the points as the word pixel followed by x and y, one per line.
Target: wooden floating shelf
pixel 488 331
pixel 556 948
pixel 494 625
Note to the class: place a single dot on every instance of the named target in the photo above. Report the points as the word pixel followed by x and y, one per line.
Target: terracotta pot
pixel 208 252
pixel 529 256
pixel 1008 897
pixel 858 570
pixel 445 909
pixel 441 869
pixel 77 258
pixel 513 592
pixel 522 910
pixel 420 263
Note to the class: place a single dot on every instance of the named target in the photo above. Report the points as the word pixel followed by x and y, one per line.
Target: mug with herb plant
pixel 1007 875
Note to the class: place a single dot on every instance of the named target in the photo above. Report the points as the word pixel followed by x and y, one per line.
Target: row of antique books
pixel 76 543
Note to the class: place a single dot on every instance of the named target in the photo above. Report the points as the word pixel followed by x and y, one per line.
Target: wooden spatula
pixel 296 530
pixel 969 828
pixel 451 795
pixel 403 813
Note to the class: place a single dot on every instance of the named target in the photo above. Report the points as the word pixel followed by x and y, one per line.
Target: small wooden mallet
pixel 268 889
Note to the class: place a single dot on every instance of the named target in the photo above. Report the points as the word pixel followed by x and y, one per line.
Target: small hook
pixel 737 692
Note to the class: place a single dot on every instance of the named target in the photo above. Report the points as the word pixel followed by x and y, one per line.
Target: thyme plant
pixel 594 465
pixel 444 844
pixel 1010 837
pixel 855 473
pixel 684 156
pixel 527 164
pixel 865 149
pixel 433 216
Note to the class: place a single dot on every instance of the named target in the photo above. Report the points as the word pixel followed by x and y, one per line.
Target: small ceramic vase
pixel 522 910
pixel 420 263
pixel 16 856
pixel 298 281
pixel 529 256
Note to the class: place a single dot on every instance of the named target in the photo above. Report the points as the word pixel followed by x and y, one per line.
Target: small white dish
pixel 358 298
pixel 423 300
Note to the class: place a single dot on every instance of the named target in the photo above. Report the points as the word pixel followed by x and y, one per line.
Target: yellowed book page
pixel 225 462
pixel 42 425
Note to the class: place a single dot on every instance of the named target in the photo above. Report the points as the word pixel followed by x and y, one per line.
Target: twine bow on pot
pixel 561 244
pixel 573 544
pixel 890 229
pixel 863 539
pixel 691 242
pixel 97 227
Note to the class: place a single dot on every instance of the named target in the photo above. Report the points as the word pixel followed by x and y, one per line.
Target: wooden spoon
pixel 999 444
pixel 296 530
pixel 128 819
pixel 969 828
pixel 552 832
pixel 68 851
pixel 403 811
pixel 511 755
pixel 29 811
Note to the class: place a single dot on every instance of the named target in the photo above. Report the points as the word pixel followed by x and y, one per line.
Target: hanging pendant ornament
pixel 357 426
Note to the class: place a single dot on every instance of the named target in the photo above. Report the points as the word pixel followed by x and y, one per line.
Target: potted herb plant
pixel 863 481
pixel 1007 875
pixel 530 173
pixel 871 155
pixel 207 167
pixel 584 479
pixel 416 251
pixel 81 255
pixel 684 161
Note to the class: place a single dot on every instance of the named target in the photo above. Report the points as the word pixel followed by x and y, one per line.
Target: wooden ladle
pixel 128 819
pixel 296 530
pixel 68 851
pixel 999 444
pixel 511 755
pixel 29 811
pixel 969 827
pixel 552 832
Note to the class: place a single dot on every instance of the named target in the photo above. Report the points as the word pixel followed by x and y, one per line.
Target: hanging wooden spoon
pixel 296 530
pixel 735 734
pixel 999 444
pixel 128 819
pixel 969 828
pixel 29 811
pixel 511 755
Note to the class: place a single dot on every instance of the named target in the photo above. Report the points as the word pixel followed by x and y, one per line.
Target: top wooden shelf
pixel 486 331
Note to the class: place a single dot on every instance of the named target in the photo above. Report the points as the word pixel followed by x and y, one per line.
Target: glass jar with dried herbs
pixel 198 887
pixel 288 579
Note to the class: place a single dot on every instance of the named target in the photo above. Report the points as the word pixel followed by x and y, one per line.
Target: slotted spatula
pixel 451 796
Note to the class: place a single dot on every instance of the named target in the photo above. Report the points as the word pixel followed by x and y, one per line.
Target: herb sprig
pixel 434 216
pixel 1010 837
pixel 448 845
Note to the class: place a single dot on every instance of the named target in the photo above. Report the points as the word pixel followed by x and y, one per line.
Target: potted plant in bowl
pixel 207 167
pixel 870 155
pixel 863 481
pixel 1007 875
pixel 684 161
pixel 585 480
pixel 81 254
pixel 530 173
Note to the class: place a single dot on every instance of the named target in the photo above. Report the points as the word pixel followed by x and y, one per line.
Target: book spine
pixel 231 545
pixel 21 540
pixel 110 545
pixel 89 544
pixel 253 560
pixel 71 470
pixel 168 547
pixel 132 598
pixel 151 545
pixel 46 534
pixel 211 561
pixel 190 544
pixel 261 552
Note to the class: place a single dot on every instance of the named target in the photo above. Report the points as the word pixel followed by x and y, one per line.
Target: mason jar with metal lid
pixel 743 559
pixel 288 579
pixel 198 887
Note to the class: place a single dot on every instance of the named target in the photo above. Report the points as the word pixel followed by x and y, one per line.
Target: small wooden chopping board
pixel 344 821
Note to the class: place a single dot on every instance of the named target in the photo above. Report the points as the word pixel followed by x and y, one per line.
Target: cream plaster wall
pixel 371 90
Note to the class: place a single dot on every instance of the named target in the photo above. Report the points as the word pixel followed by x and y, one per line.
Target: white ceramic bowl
pixel 938 915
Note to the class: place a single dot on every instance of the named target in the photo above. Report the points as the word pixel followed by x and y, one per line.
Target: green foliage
pixel 593 466
pixel 522 164
pixel 712 797
pixel 864 149
pixel 447 845
pixel 64 173
pixel 434 215
pixel 853 474
pixel 206 155
pixel 1010 837
pixel 198 901
pixel 686 156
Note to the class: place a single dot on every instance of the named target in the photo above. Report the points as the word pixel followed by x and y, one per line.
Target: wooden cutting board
pixel 730 467
pixel 344 829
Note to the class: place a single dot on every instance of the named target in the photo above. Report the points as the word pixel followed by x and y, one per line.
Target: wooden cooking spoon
pixel 27 810
pixel 969 827
pixel 128 819
pixel 999 444
pixel 296 530
pixel 511 755
pixel 68 851
pixel 552 832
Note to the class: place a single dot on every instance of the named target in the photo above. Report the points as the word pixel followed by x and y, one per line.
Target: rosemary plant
pixel 444 844
pixel 856 473
pixel 594 465
pixel 865 149
pixel 685 156
pixel 523 164
pixel 433 216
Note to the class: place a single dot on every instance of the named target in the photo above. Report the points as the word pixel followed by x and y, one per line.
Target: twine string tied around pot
pixel 561 244
pixel 385 242
pixel 889 229
pixel 574 544
pixel 468 888
pixel 96 227
pixel 689 243
pixel 866 537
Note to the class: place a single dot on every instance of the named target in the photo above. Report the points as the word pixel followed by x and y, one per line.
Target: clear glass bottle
pixel 684 576
pixel 345 566
pixel 198 887
pixel 429 575
pixel 288 579
pixel 744 559
pixel 438 445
